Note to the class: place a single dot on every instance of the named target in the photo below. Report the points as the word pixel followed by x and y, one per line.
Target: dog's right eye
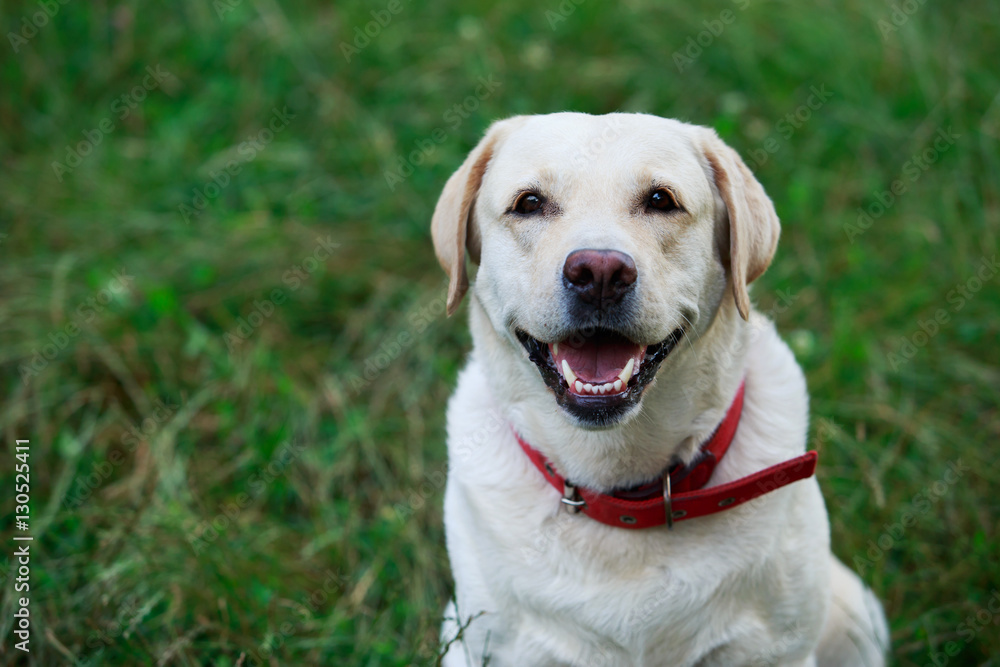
pixel 528 202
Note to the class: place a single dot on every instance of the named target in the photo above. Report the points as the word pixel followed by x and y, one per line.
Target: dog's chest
pixel 567 584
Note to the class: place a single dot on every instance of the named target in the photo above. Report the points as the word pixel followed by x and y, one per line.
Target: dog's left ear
pixel 753 227
pixel 452 226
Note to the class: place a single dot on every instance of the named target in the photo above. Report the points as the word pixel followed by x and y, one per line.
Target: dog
pixel 628 482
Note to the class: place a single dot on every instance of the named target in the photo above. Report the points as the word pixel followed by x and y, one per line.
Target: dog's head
pixel 602 243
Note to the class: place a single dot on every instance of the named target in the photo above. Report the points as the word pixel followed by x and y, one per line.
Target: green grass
pixel 314 555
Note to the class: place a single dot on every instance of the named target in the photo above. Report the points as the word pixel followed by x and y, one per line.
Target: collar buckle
pixel 668 505
pixel 571 498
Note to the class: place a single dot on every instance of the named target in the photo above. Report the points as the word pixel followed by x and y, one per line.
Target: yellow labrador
pixel 628 482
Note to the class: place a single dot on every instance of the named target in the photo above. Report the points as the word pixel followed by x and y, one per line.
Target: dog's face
pixel 603 242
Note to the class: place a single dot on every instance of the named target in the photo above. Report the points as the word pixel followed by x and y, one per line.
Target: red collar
pixel 677 496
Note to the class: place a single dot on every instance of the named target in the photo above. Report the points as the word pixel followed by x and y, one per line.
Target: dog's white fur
pixel 754 585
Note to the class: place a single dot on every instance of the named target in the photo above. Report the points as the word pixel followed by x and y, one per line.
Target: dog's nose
pixel 599 277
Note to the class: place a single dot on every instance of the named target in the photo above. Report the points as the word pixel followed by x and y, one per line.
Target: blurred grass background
pixel 208 482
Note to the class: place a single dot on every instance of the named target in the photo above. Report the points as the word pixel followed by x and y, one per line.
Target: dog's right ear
pixel 452 226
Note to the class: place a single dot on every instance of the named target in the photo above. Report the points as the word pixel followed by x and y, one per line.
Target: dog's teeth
pixel 568 373
pixel 627 371
pixel 555 350
pixel 588 388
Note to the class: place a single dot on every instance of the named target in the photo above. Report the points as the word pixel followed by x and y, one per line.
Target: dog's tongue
pixel 598 359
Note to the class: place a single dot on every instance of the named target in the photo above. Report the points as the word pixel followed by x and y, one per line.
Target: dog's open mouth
pixel 600 374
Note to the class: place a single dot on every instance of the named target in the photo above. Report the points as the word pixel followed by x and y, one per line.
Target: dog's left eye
pixel 528 202
pixel 662 199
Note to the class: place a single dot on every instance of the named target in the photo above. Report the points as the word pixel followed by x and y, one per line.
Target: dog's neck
pixel 681 408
